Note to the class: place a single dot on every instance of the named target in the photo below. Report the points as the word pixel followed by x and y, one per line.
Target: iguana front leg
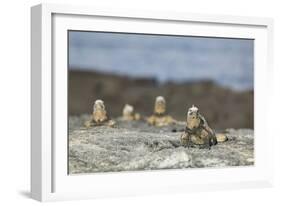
pixel 186 140
pixel 207 143
pixel 183 139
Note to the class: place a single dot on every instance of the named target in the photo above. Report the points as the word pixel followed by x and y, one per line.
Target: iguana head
pixel 99 105
pixel 128 110
pixel 193 112
pixel 99 112
pixel 160 105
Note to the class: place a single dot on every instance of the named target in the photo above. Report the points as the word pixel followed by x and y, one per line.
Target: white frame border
pixel 42 87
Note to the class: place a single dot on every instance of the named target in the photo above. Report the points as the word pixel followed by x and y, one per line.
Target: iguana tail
pixel 221 137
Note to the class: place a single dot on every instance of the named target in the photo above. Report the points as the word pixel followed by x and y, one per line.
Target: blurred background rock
pixel 215 74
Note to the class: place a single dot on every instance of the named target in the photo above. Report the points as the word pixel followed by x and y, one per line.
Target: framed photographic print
pixel 137 102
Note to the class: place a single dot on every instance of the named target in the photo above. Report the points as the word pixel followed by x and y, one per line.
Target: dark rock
pixel 221 106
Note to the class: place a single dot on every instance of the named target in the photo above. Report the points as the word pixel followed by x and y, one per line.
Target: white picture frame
pixel 49 178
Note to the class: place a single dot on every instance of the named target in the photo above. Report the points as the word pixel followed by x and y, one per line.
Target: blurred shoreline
pixel 222 106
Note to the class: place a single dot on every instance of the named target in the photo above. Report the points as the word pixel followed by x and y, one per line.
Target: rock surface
pixel 134 145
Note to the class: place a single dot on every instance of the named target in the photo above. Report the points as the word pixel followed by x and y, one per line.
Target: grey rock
pixel 135 145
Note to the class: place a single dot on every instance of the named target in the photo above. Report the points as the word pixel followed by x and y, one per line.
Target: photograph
pixel 143 102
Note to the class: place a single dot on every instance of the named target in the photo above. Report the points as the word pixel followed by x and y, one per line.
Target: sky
pixel 227 62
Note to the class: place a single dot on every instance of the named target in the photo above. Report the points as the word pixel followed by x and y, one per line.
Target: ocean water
pixel 227 62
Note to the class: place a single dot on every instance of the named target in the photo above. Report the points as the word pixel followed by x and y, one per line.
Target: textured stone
pixel 135 145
